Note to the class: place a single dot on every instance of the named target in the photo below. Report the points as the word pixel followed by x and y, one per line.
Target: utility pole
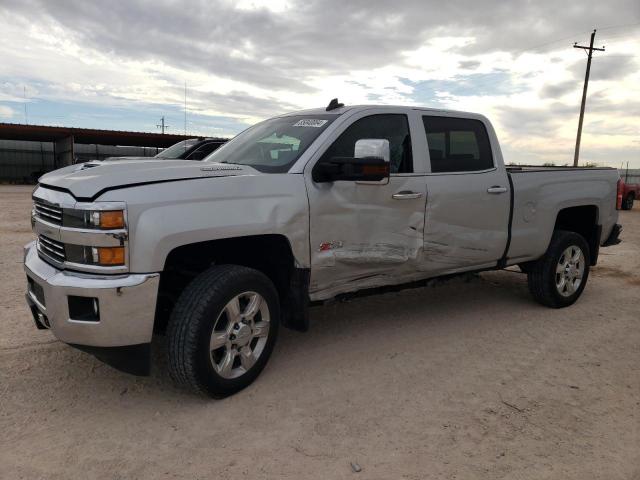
pixel 590 49
pixel 185 115
pixel 24 92
pixel 161 125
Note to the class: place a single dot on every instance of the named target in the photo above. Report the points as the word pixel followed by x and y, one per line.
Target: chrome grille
pixel 47 211
pixel 51 248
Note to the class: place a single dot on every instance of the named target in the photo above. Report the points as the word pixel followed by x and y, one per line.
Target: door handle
pixel 406 195
pixel 497 189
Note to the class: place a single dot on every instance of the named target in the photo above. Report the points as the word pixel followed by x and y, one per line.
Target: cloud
pixel 530 121
pixel 286 46
pixel 556 90
pixel 6 113
pixel 469 64
pixel 243 61
pixel 607 68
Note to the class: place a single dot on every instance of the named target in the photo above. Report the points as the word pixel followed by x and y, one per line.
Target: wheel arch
pixel 270 254
pixel 583 220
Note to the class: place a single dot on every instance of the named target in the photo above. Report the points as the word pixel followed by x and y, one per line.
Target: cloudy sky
pixel 124 64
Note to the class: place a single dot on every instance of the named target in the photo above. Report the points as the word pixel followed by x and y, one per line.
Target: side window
pixel 457 144
pixel 392 127
pixel 203 151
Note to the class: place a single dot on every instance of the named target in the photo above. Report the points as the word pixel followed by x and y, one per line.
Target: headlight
pixel 108 220
pixel 89 237
pixel 100 219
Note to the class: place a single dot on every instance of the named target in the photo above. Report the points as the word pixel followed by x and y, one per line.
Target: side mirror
pixel 370 163
pixel 372 148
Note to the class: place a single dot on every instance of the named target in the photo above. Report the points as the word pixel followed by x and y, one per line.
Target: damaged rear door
pixel 467 218
pixel 366 234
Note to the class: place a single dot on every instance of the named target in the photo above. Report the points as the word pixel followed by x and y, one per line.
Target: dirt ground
pixel 466 380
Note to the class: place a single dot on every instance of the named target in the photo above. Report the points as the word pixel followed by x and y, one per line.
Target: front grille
pixel 51 248
pixel 48 211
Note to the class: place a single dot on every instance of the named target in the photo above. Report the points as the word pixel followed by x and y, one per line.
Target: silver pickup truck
pixel 299 208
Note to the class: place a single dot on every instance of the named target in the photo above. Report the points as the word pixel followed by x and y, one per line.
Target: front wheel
pixel 559 277
pixel 627 203
pixel 223 330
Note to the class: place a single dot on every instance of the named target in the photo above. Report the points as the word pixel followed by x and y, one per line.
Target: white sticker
pixel 310 122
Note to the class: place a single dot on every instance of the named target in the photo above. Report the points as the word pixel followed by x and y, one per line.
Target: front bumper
pixel 127 304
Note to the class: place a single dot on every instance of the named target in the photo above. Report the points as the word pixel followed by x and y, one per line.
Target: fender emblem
pixel 219 169
pixel 325 246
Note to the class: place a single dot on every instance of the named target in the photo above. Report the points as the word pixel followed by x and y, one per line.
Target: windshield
pixel 177 150
pixel 273 145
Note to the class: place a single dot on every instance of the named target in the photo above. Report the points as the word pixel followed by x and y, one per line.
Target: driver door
pixel 367 234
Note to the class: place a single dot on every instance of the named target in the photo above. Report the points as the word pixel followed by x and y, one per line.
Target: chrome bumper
pixel 127 304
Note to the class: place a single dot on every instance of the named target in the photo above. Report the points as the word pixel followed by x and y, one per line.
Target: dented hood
pixel 89 179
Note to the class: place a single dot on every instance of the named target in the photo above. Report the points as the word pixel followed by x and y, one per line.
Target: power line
pixel 557 40
pixel 620 40
pixel 590 49
pixel 621 25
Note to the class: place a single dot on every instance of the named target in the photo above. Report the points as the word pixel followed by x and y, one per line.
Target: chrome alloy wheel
pixel 569 271
pixel 239 335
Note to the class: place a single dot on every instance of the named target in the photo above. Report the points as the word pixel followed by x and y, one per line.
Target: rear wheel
pixel 627 204
pixel 559 277
pixel 223 330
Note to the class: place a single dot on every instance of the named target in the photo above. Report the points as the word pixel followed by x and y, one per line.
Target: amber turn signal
pixel 110 255
pixel 112 219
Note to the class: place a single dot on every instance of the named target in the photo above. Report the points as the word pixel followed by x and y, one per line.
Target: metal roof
pixel 44 133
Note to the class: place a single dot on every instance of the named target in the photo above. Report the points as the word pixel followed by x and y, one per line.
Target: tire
pixel 545 275
pixel 525 267
pixel 202 335
pixel 627 204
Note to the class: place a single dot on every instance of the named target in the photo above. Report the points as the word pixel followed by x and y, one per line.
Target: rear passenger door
pixel 468 196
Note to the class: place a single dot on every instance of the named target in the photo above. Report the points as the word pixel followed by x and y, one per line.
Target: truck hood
pixel 88 180
pixel 119 159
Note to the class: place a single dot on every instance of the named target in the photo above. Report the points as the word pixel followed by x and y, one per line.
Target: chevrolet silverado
pixel 298 209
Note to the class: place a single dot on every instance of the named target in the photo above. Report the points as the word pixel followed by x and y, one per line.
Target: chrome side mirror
pixel 372 148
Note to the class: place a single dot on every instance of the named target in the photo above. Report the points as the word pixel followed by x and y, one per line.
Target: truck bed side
pixel 539 196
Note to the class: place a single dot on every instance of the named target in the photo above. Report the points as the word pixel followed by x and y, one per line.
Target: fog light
pixel 85 309
pixel 101 256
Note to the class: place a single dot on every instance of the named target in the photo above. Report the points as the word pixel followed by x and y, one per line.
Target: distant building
pixel 24 161
pixel 28 151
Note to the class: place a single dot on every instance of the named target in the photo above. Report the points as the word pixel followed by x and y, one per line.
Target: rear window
pixel 457 144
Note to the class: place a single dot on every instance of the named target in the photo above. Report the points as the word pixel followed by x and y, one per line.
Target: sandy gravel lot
pixel 466 380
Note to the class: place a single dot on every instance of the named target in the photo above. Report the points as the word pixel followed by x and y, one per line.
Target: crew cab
pixel 300 208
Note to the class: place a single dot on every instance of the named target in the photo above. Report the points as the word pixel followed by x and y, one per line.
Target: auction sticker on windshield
pixel 310 122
